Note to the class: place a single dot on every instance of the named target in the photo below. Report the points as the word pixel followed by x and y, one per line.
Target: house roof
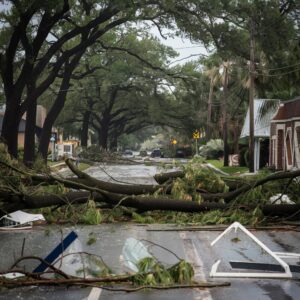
pixel 288 110
pixel 264 110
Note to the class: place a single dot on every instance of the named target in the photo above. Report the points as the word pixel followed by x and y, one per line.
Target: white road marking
pixel 95 294
pixel 193 257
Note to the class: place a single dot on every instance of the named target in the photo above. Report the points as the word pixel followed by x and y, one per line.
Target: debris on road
pixel 133 251
pixel 19 220
pixel 281 199
pixel 56 252
pixel 60 268
pixel 242 241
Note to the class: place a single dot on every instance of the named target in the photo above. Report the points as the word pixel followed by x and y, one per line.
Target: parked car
pixel 157 153
pixel 183 152
pixel 127 152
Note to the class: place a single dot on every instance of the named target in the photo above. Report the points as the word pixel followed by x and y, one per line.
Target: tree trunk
pixel 57 105
pixel 224 117
pixel 10 127
pixel 103 136
pixel 113 143
pixel 117 194
pixel 29 145
pixel 236 137
pixel 209 109
pixel 49 122
pixel 251 99
pixel 85 128
pixel 126 189
pixel 142 203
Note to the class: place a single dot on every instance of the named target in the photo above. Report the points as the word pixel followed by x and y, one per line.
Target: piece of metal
pixel 237 226
pixel 262 266
pixel 56 252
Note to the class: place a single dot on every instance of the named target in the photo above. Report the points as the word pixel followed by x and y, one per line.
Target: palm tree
pixel 224 68
pixel 213 74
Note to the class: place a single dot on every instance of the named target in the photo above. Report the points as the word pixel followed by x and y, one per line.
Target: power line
pixel 179 48
pixel 192 55
pixel 280 68
pixel 276 75
pixel 270 69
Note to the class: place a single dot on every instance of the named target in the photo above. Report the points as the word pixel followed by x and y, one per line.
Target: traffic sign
pixel 196 135
pixel 173 141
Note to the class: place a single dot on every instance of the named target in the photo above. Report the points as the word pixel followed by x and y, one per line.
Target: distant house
pixel 40 118
pixel 21 133
pixel 264 110
pixel 285 136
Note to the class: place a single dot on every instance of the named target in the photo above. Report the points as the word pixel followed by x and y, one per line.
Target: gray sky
pixel 187 51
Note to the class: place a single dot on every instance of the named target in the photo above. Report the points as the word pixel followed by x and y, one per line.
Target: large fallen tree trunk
pixel 141 203
pixel 227 197
pixel 11 200
pixel 85 179
pixel 128 189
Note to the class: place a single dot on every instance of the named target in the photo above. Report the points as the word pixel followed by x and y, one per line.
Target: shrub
pixel 214 149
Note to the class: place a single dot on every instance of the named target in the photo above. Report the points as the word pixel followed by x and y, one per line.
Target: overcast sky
pixel 187 51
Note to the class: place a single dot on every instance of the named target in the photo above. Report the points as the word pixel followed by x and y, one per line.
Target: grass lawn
pixel 230 170
pixel 53 163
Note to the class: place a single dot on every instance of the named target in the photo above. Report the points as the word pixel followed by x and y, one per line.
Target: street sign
pixel 196 135
pixel 173 141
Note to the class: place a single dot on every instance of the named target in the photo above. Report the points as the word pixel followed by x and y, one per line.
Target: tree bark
pixel 224 116
pixel 57 105
pixel 141 203
pixel 103 135
pixel 251 97
pixel 209 109
pixel 126 189
pixel 113 145
pixel 10 126
pixel 14 87
pixel 227 197
pixel 30 130
pixel 85 129
pixel 134 196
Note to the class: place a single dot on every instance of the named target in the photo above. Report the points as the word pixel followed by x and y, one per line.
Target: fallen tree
pixel 141 203
pixel 150 274
pixel 140 197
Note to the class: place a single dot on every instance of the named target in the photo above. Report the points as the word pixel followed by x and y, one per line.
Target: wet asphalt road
pixel 194 246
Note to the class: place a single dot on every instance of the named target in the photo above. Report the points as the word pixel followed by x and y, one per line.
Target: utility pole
pixel 224 114
pixel 251 98
pixel 209 109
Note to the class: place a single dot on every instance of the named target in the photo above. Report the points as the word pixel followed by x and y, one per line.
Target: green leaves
pixel 182 272
pixel 152 272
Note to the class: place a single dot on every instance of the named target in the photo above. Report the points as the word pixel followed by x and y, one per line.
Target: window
pixel 288 148
pixel 298 137
pixel 297 145
pixel 67 148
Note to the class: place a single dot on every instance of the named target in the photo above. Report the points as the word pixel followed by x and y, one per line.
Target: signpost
pixel 173 142
pixel 52 140
pixel 196 136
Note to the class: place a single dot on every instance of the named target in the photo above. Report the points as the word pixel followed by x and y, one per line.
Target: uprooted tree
pixel 193 189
